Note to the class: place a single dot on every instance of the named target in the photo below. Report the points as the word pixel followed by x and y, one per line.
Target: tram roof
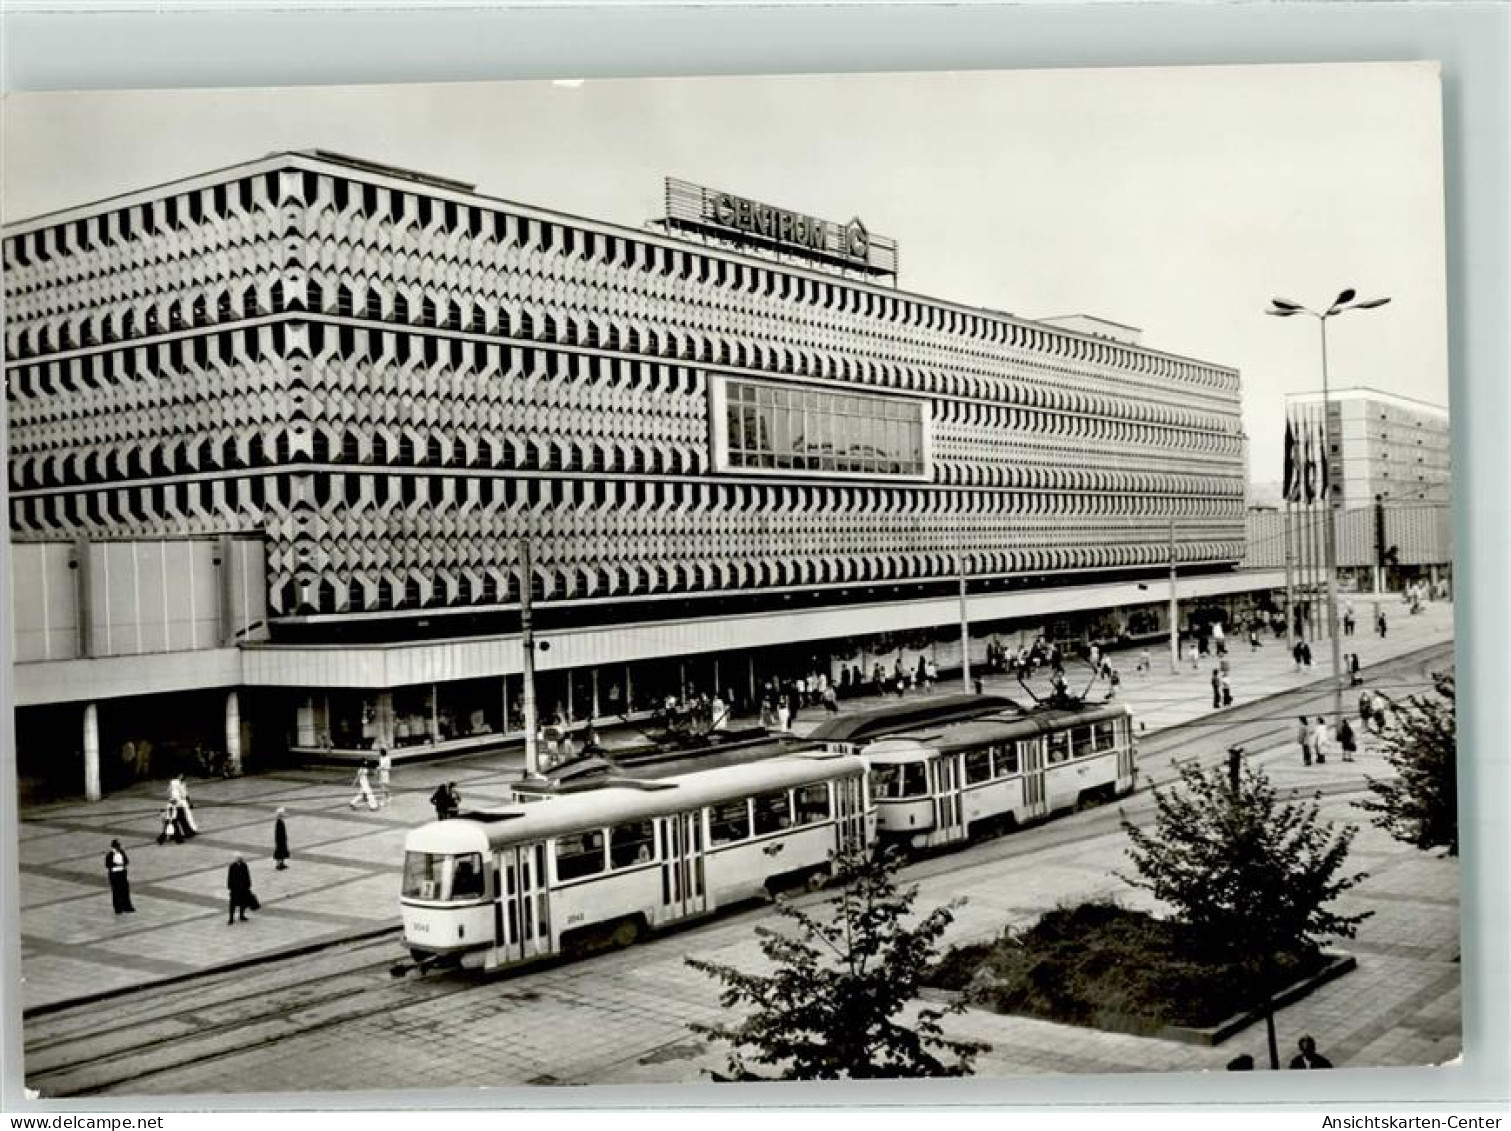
pixel 964 734
pixel 632 800
pixel 907 714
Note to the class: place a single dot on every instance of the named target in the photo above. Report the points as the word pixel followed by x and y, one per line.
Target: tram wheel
pixel 625 933
pixel 817 880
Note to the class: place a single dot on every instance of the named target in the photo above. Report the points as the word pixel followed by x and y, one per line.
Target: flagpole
pixel 1290 592
pixel 1288 490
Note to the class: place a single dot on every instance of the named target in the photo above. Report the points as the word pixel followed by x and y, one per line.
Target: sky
pixel 1175 200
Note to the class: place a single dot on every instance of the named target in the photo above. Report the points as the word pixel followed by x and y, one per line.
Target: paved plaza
pixel 343 878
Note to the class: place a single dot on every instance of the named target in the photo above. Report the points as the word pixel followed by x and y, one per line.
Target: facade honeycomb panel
pixel 395 382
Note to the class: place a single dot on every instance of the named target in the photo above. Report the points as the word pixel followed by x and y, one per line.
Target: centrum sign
pixel 772 223
pixel 739 218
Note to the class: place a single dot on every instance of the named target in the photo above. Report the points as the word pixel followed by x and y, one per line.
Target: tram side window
pixel 1106 735
pixel 811 803
pixel 729 822
pixel 1006 758
pixel 631 844
pixel 578 855
pixel 1059 747
pixel 978 765
pixel 772 813
pixel 1081 741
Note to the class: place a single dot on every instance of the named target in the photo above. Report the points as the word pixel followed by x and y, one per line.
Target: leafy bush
pixel 1100 965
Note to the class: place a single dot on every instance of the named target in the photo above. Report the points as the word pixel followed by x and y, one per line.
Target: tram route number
pixel 420 928
pixel 576 917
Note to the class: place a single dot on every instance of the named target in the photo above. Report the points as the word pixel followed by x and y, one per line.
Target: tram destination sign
pixel 740 220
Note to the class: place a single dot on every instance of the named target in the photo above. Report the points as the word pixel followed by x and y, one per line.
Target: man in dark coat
pixel 280 841
pixel 1309 1057
pixel 239 884
pixel 116 863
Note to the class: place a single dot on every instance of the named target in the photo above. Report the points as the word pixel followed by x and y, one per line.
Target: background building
pixel 1380 444
pixel 278 434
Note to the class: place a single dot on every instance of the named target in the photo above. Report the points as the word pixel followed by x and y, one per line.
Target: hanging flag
pixel 1323 486
pixel 1308 465
pixel 1291 484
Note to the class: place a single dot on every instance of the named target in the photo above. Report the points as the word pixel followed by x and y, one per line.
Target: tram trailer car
pixel 942 784
pixel 598 867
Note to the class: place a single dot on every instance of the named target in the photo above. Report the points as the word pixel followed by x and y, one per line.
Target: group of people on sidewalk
pixel 179 825
pixel 1318 740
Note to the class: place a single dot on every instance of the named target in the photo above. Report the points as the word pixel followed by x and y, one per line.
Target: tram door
pixel 1031 756
pixel 850 812
pixel 684 890
pixel 1126 751
pixel 522 911
pixel 949 818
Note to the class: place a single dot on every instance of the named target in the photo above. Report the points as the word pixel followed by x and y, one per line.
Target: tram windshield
pixel 898 780
pixel 442 878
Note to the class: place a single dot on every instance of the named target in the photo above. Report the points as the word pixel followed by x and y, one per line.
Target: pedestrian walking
pixel 1354 678
pixel 116 865
pixel 1143 661
pixel 1348 620
pixel 1380 624
pixel 385 776
pixel 1309 1057
pixel 178 794
pixel 831 701
pixel 364 788
pixel 1114 681
pixel 1193 653
pixel 239 885
pixel 1304 736
pixel 1216 689
pixel 280 840
pixel 1347 742
pixel 171 827
pixel 1227 691
pixel 1306 654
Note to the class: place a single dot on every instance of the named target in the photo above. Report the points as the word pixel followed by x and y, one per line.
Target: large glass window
pixel 1106 735
pixel 816 430
pixel 978 766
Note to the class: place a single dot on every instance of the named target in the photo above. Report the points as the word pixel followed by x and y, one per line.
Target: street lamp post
pixel 1284 308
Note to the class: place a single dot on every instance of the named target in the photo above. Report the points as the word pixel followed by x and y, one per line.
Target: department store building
pixel 280 435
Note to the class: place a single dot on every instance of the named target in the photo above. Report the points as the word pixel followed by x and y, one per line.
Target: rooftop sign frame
pixel 750 223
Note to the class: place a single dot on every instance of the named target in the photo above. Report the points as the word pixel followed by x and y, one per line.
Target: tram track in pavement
pixel 73 1054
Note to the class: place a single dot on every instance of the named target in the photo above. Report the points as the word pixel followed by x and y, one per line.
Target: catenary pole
pixel 1174 609
pixel 527 642
pixel 965 630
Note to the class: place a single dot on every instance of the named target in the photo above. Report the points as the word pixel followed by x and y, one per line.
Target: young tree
pixel 1251 877
pixel 1419 806
pixel 828 1010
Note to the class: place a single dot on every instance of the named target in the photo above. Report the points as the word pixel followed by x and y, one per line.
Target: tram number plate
pixel 576 917
pixel 421 928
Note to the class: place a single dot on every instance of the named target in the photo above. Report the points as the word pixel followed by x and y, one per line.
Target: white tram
pixel 578 870
pixel 941 783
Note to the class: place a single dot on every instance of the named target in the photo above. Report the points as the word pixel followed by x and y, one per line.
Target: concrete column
pixel 91 753
pixel 233 732
pixel 384 719
pixel 504 694
pixel 593 676
pixel 306 733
